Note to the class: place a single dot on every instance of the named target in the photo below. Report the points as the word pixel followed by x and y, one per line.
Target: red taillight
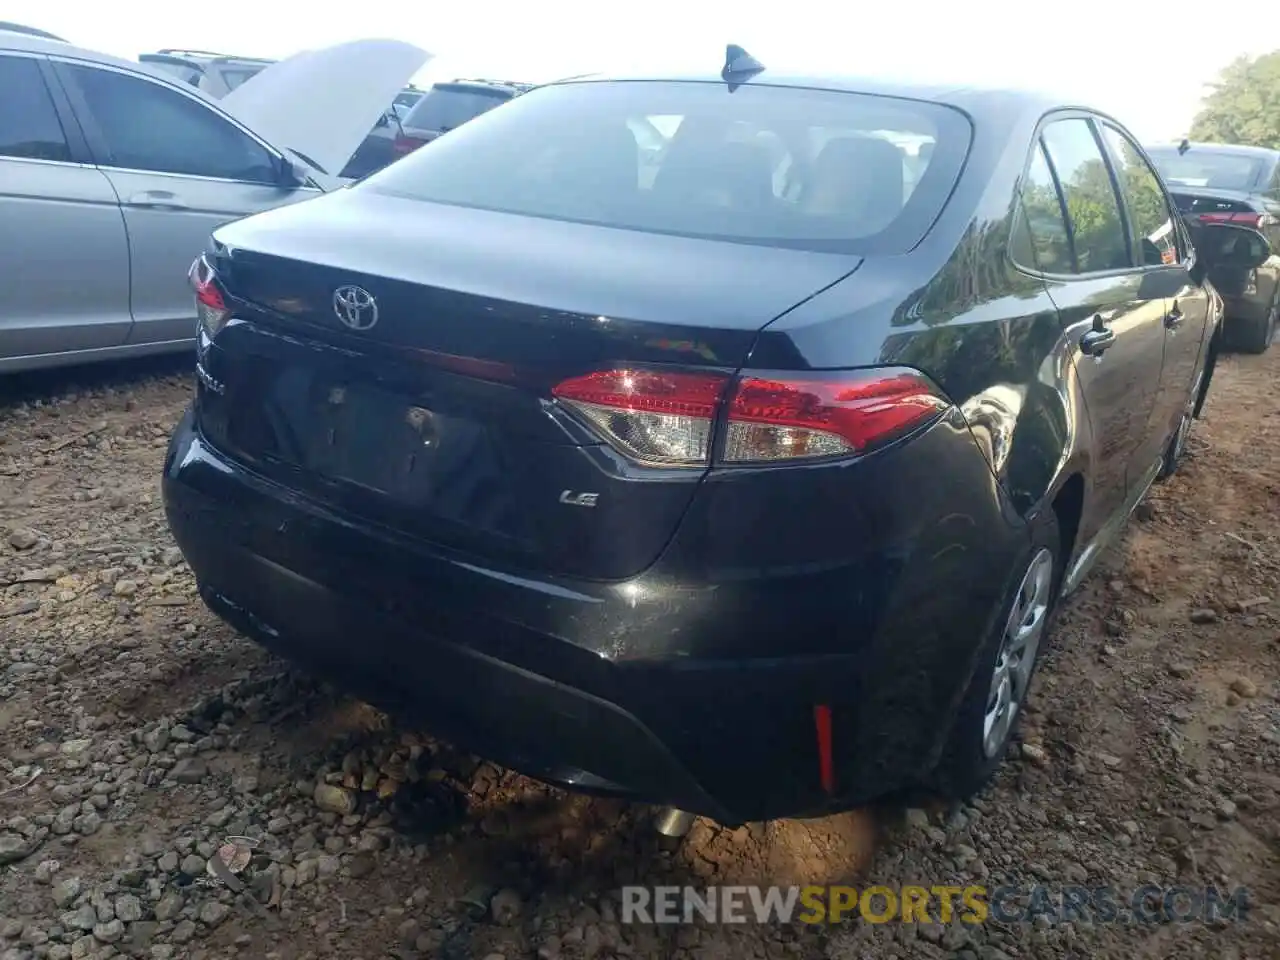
pixel 403 144
pixel 209 295
pixel 668 418
pixel 1254 220
pixel 780 417
pixel 211 308
pixel 204 283
pixel 652 416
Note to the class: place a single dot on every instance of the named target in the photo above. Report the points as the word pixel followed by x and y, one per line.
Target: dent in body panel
pixel 988 334
pixel 957 308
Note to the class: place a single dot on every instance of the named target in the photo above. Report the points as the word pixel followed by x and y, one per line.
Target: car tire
pixel 1256 336
pixel 979 737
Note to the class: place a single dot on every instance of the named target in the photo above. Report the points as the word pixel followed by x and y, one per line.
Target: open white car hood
pixel 321 104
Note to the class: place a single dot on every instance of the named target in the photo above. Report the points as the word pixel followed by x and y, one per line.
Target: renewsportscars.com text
pixel 1151 904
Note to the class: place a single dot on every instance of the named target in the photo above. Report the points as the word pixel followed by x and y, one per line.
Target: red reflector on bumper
pixel 822 726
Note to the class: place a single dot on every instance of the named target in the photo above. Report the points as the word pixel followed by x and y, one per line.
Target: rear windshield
pixel 1205 168
pixel 443 108
pixel 780 166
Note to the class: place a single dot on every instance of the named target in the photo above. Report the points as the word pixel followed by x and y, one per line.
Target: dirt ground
pixel 137 733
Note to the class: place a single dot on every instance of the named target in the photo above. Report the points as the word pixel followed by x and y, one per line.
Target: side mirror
pixel 1230 245
pixel 383 121
pixel 290 174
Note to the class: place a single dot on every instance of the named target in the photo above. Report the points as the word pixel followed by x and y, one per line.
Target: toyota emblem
pixel 355 307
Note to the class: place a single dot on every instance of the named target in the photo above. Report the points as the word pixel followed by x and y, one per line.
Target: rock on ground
pixel 168 790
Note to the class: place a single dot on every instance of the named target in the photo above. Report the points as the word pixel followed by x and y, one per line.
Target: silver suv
pixel 449 105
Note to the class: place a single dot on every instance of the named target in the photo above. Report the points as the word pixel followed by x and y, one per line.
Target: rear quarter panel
pixel 988 334
pixel 957 308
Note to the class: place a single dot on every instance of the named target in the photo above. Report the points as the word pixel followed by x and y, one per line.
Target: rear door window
pixel 779 166
pixel 1040 238
pixel 29 125
pixel 1151 220
pixel 147 126
pixel 1093 208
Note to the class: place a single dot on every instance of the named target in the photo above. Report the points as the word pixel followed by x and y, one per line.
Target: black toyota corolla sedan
pixel 742 479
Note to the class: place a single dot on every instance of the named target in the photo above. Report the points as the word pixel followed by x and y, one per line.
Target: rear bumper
pixel 630 688
pixel 488 705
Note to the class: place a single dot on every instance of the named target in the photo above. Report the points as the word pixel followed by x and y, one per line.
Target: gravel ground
pixel 138 733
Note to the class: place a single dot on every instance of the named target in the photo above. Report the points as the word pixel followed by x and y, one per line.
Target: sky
pixel 1147 69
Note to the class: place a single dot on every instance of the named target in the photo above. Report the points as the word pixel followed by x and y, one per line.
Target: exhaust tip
pixel 674 823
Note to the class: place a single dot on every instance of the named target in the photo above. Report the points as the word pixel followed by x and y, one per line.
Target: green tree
pixel 1244 105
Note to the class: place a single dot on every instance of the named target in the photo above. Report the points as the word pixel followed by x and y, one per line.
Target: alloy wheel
pixel 1017 656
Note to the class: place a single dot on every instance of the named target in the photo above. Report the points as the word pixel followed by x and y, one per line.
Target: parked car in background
pixel 449 105
pixel 113 176
pixel 409 96
pixel 216 74
pixel 1223 183
pixel 379 147
pixel 747 494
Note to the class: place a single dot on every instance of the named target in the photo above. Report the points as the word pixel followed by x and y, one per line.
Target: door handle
pixel 1098 340
pixel 1173 319
pixel 160 199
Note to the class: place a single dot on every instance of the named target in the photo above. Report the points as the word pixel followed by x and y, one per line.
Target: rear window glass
pixel 444 108
pixel 1205 168
pixel 780 166
pixel 234 76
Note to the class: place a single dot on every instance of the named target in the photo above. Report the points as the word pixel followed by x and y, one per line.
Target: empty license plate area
pixel 383 442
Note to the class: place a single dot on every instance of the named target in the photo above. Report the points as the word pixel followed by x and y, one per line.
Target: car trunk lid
pixel 436 419
pixel 1216 206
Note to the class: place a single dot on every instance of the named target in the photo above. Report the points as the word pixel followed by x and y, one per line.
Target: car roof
pixel 28 43
pixel 963 96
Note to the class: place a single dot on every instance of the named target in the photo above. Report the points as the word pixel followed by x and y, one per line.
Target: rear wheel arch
pixel 1212 351
pixel 1037 445
pixel 1068 506
pixel 964 767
